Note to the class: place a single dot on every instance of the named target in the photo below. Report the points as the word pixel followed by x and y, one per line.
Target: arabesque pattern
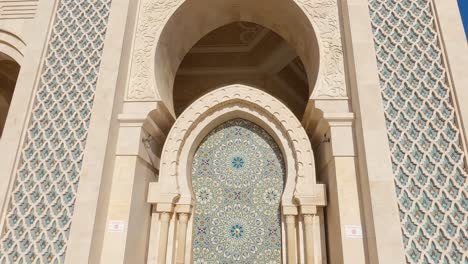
pixel 428 159
pixel 41 206
pixel 238 175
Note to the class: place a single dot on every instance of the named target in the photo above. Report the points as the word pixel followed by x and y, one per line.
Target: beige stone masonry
pixel 384 240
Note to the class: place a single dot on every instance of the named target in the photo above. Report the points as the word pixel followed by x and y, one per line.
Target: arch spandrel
pixel 253 104
pixel 311 27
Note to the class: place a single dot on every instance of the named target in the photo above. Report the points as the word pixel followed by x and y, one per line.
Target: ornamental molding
pixel 263 104
pixel 151 18
pixel 153 14
pixel 325 20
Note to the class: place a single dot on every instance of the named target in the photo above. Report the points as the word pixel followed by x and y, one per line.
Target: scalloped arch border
pixel 300 181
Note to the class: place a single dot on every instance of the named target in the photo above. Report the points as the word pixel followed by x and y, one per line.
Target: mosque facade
pixel 234 131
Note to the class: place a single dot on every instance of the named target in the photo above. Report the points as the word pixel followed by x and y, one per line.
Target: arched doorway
pixel 166 31
pixel 238 176
pixel 174 194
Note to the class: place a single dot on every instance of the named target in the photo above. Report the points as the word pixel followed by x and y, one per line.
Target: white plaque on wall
pixel 353 231
pixel 116 226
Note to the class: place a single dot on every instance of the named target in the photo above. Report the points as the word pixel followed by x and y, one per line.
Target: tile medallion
pixel 238 176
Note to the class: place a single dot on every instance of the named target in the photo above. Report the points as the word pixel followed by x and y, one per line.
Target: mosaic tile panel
pixel 428 160
pixel 238 176
pixel 38 220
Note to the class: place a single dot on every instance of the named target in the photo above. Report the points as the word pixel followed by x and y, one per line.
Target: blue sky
pixel 463 4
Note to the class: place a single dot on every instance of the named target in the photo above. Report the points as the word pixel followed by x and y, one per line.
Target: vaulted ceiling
pixel 246 53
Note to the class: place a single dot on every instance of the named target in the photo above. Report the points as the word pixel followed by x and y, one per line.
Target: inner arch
pixel 246 53
pixel 191 20
pixel 238 176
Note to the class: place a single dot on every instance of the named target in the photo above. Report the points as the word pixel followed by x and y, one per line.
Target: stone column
pixel 164 232
pixel 320 252
pixel 127 200
pixel 153 237
pixel 380 212
pixel 164 208
pixel 291 238
pixel 333 138
pixel 314 240
pixel 183 212
pixel 309 238
pixel 183 219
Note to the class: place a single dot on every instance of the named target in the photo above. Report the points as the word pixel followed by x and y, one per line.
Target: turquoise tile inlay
pixel 238 173
pixel 43 197
pixel 428 158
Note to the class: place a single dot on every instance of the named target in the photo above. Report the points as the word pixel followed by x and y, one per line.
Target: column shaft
pixel 162 252
pixel 291 236
pixel 181 237
pixel 309 238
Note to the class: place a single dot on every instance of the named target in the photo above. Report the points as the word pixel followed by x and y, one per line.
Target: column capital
pixel 318 124
pixel 316 197
pixel 308 210
pixel 183 217
pixel 290 219
pixel 165 216
pixel 165 202
pixel 308 219
pixel 183 208
pixel 164 208
pixel 289 210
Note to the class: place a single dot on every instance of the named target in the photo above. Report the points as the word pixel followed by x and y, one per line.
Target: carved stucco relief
pixel 153 14
pixel 151 18
pixel 324 17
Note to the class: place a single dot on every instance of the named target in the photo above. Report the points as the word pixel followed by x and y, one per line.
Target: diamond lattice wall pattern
pixel 39 215
pixel 427 153
pixel 238 173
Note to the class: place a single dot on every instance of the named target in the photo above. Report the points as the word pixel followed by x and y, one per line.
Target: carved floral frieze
pixel 324 16
pixel 151 18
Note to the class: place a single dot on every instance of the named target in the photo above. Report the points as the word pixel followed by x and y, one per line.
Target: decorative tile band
pixel 238 176
pixel 38 219
pixel 427 155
